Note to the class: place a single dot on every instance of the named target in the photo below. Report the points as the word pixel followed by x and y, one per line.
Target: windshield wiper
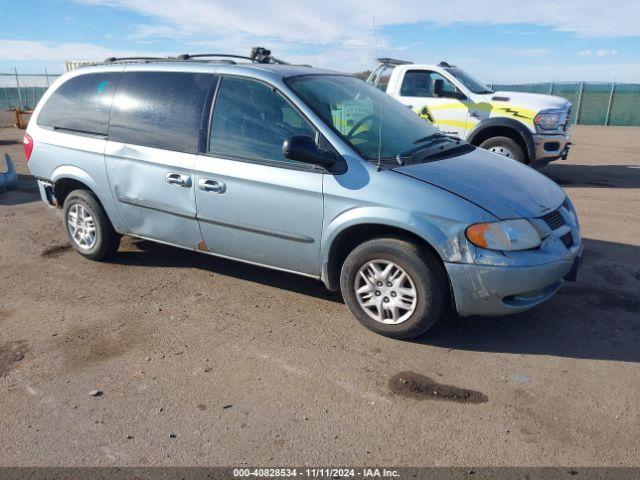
pixel 431 149
pixel 425 143
pixel 433 136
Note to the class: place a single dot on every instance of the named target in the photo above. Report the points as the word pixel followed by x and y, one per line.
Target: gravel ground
pixel 202 361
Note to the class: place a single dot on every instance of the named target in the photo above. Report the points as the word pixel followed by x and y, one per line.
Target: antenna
pixel 375 35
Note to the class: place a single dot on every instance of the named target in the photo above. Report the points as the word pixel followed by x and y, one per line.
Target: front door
pixel 448 114
pixel 253 204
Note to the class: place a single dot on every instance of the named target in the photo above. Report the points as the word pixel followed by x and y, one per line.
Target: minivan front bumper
pixel 493 291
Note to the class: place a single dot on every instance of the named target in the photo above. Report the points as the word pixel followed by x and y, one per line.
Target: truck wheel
pixel 88 227
pixel 394 287
pixel 504 146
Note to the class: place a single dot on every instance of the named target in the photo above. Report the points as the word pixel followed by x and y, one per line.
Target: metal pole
pixel 46 74
pixel 613 86
pixel 6 96
pixel 18 85
pixel 551 88
pixel 579 103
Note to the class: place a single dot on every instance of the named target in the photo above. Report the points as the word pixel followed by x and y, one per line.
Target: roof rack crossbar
pixel 187 56
pixel 128 59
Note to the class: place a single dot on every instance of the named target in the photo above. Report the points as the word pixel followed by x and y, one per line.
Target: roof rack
pixel 187 56
pixel 258 55
pixel 134 59
pixel 446 65
pixel 392 61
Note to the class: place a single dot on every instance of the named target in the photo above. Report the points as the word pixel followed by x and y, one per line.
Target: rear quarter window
pixel 81 104
pixel 161 109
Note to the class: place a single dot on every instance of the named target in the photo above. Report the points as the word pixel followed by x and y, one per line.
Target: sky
pixel 499 41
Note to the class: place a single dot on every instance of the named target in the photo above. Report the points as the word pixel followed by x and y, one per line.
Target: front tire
pixel 505 146
pixel 394 287
pixel 88 227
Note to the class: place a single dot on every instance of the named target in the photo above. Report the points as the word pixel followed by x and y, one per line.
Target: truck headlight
pixel 550 119
pixel 507 235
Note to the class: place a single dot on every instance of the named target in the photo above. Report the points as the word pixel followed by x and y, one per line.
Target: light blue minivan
pixel 303 170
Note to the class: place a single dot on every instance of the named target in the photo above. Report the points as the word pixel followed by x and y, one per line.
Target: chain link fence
pixel 594 103
pixel 23 90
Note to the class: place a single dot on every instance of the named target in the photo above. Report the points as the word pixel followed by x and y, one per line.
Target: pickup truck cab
pixel 530 128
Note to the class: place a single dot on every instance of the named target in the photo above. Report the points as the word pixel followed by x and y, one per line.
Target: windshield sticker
pixel 348 113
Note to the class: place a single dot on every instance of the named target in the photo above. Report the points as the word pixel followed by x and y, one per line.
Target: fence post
pixel 613 86
pixel 18 85
pixel 551 87
pixel 6 96
pixel 579 103
pixel 46 74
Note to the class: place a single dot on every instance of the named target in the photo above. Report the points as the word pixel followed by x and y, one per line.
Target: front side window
pixel 422 83
pixel 375 124
pixel 251 120
pixel 81 104
pixel 161 109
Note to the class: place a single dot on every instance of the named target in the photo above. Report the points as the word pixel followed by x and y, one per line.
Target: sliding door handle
pixel 211 186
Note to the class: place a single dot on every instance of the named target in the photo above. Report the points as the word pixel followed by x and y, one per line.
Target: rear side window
pixel 81 104
pixel 161 109
pixel 251 120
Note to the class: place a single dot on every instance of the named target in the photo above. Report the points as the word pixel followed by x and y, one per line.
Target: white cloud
pixel 26 50
pixel 606 53
pixel 322 21
pixel 599 53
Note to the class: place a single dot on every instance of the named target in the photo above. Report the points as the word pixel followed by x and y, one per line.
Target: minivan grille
pixel 567 239
pixel 553 220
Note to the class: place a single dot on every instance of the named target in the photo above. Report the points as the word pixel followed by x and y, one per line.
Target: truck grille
pixel 553 220
pixel 568 121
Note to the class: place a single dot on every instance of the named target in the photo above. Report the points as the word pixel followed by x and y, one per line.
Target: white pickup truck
pixel 530 128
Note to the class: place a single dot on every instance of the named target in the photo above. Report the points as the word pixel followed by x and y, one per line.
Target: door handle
pixel 178 179
pixel 212 186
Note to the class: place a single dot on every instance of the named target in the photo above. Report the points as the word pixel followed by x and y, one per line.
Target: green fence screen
pixel 593 103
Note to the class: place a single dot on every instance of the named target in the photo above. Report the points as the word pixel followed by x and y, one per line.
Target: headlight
pixel 550 120
pixel 505 235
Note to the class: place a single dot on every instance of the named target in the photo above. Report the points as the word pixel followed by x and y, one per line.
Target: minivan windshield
pixel 476 86
pixel 375 124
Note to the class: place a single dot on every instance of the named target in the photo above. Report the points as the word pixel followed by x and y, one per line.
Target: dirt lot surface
pixel 202 361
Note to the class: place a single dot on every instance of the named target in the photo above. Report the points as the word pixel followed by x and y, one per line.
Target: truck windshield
pixel 375 124
pixel 471 83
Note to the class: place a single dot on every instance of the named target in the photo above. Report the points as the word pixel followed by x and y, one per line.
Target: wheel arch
pixel 505 127
pixel 343 236
pixel 67 178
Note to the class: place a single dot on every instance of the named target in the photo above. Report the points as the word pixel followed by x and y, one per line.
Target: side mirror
pixel 439 91
pixel 303 148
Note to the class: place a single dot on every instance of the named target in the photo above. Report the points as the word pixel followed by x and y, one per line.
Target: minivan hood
pixel 530 101
pixel 500 185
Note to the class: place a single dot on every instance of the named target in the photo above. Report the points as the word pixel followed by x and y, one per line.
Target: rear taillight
pixel 27 143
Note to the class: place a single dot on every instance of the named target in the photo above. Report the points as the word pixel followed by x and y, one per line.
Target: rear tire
pixel 405 301
pixel 88 227
pixel 505 146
